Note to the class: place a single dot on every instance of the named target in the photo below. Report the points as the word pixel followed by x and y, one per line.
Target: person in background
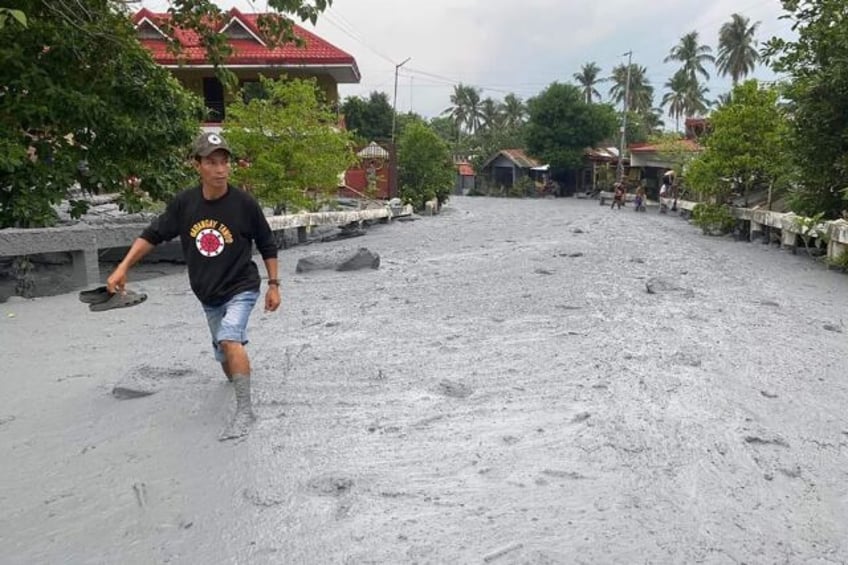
pixel 618 196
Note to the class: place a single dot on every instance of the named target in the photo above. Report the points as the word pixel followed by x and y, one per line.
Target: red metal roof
pixel 465 169
pixel 686 144
pixel 315 51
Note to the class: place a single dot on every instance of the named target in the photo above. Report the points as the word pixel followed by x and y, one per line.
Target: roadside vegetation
pixel 85 110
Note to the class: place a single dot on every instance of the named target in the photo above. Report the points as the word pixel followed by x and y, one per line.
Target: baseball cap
pixel 206 143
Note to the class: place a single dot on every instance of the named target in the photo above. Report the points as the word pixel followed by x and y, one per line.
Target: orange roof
pixel 247 51
pixel 465 169
pixel 687 144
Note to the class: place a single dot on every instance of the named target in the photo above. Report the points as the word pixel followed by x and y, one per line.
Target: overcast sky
pixel 518 46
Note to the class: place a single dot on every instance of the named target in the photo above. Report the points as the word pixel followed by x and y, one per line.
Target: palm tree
pixel 675 97
pixel 474 115
pixel 491 116
pixel 641 91
pixel 736 53
pixel 514 111
pixel 696 101
pixel 723 100
pixel 692 55
pixel 587 78
pixel 465 108
pixel 458 109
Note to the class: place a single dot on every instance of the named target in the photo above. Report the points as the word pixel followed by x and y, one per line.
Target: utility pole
pixel 393 160
pixel 394 103
pixel 624 118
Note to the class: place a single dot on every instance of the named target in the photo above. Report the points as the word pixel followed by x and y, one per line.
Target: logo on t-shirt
pixel 211 237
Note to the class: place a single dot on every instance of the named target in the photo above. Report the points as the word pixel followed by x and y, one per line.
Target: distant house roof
pixel 602 153
pixel 249 47
pixel 685 144
pixel 373 151
pixel 517 156
pixel 465 169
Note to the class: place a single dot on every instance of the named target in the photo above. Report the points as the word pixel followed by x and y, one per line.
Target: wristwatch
pixel 274 282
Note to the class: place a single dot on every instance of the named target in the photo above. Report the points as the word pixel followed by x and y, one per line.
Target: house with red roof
pixel 251 56
pixel 651 163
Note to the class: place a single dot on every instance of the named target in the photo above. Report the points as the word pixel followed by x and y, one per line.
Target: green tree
pixel 641 91
pixel 84 105
pixel 675 97
pixel 445 127
pixel 465 109
pixel 562 125
pixel 425 167
pixel 695 99
pixel 746 146
pixel 514 110
pixel 491 115
pixel 692 55
pixel 817 64
pixel 641 127
pixel 737 54
pixel 292 151
pixel 587 79
pixel 369 119
pixel 405 120
pixel 676 150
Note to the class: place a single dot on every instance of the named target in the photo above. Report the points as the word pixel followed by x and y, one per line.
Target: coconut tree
pixel 641 92
pixel 514 111
pixel 692 55
pixel 474 115
pixel 491 116
pixel 737 55
pixel 696 102
pixel 587 78
pixel 458 110
pixel 465 109
pixel 674 100
pixel 723 100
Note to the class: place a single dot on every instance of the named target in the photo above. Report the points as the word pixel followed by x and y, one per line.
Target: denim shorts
pixel 228 322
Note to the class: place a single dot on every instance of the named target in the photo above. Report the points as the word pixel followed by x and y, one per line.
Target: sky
pixel 518 47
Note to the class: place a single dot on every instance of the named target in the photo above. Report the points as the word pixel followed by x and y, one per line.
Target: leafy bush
pixel 291 150
pixel 713 219
pixel 425 166
pixel 522 188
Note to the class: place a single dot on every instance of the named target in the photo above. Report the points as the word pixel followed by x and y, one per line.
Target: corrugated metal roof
pixel 603 153
pixel 373 151
pixel 517 156
pixel 246 51
pixel 685 144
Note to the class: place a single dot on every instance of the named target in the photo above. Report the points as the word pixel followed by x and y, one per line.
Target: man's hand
pixel 272 298
pixel 117 281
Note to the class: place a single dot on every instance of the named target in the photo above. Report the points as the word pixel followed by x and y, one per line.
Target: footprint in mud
pixel 563 474
pixel 262 499
pixel 687 359
pixel 455 389
pixel 145 380
pixel 331 485
pixel 760 440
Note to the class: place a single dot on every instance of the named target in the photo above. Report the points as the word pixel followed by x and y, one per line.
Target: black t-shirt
pixel 217 238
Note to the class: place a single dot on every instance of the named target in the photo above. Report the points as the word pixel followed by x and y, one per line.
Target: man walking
pixel 217 224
